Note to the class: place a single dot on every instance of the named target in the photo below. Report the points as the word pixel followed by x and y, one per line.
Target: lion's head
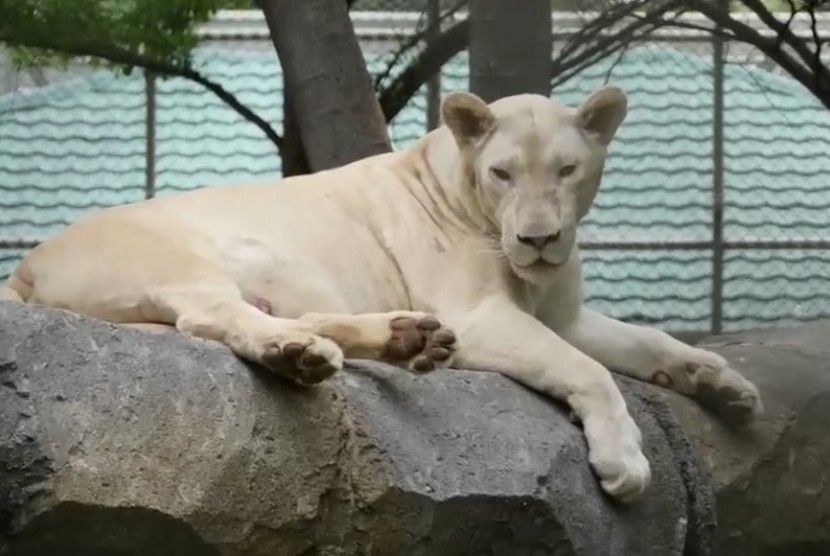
pixel 534 166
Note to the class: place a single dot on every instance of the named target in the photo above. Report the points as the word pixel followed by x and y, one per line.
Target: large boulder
pixel 116 442
pixel 770 480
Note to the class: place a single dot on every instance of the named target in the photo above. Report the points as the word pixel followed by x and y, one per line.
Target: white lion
pixel 470 234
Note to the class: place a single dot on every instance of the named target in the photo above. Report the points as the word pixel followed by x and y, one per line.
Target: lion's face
pixel 535 166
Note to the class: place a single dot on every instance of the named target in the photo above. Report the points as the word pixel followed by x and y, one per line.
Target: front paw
pixel 616 455
pixel 720 388
pixel 419 342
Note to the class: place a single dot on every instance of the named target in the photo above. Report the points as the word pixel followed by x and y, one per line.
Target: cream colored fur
pixel 474 224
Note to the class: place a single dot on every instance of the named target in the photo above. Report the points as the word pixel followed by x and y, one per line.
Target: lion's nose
pixel 540 242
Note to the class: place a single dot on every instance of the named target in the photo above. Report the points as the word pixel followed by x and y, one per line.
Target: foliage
pixel 157 35
pixel 46 32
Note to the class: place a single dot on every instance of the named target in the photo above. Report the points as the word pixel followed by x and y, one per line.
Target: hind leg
pixel 152 327
pixel 157 328
pixel 286 346
pixel 411 340
pixel 164 282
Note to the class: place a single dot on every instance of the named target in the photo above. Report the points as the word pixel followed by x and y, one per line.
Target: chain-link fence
pixel 714 212
pixel 389 5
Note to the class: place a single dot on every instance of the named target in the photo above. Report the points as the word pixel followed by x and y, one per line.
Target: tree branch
pixel 125 57
pixel 782 30
pixel 411 42
pixel 816 39
pixel 817 82
pixel 395 96
pixel 570 62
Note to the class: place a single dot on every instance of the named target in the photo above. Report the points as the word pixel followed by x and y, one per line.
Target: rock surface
pixel 116 442
pixel 771 482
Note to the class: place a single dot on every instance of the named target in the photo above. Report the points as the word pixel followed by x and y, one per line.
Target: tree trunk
pixel 510 48
pixel 294 160
pixel 325 75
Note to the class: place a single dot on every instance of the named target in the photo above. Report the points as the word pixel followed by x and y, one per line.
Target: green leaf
pixel 51 32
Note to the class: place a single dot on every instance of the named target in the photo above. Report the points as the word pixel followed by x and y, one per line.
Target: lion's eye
pixel 500 174
pixel 567 170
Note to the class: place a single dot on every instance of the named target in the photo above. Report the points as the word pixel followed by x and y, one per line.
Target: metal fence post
pixel 717 174
pixel 149 135
pixel 434 83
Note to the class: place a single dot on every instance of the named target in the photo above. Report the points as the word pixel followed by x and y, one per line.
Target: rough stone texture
pixel 116 442
pixel 771 482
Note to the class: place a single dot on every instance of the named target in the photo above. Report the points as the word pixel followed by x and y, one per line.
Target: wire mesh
pixel 80 143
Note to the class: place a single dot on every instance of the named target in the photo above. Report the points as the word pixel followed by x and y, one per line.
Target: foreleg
pixel 653 356
pixel 498 336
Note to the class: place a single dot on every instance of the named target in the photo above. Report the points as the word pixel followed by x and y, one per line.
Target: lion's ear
pixel 603 112
pixel 468 117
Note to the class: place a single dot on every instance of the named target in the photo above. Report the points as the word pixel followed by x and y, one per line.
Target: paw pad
pixel 422 342
pixel 723 390
pixel 306 363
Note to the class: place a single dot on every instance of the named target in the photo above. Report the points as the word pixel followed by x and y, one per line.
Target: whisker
pixel 498 254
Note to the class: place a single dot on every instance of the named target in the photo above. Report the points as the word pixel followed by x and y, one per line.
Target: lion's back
pixel 332 225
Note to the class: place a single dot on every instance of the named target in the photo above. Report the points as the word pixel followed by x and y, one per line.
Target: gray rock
pixel 771 481
pixel 114 441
